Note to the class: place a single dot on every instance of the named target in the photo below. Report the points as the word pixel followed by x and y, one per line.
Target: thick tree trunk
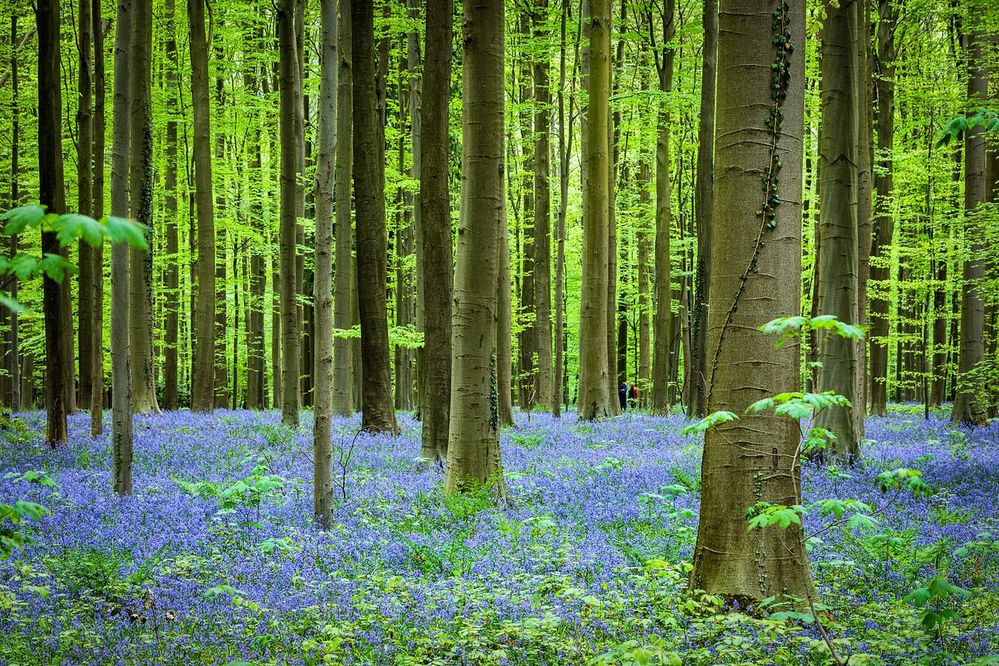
pixel 435 230
pixel 614 133
pixel 84 206
pixel 542 217
pixel 756 278
pixel 322 450
pixel 51 194
pixel 343 394
pixel 290 335
pixel 837 232
pixel 594 398
pixel 377 414
pixel 703 203
pixel 663 374
pixel 203 398
pixel 473 456
pixel 883 223
pixel 121 378
pixel 140 320
pixel 968 407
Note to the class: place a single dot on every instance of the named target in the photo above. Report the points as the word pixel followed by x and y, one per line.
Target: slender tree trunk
pixel 343 403
pixel 564 152
pixel 290 336
pixel 377 414
pixel 84 157
pixel 968 406
pixel 757 278
pixel 662 368
pixel 141 208
pixel 837 264
pixel 527 378
pixel 12 343
pixel 51 194
pixel 96 369
pixel 203 398
pixel 171 337
pixel 644 302
pixel 473 456
pixel 405 305
pixel 594 398
pixel 220 374
pixel 883 222
pixel 542 217
pixel 504 327
pixel 703 203
pixel 435 230
pixel 865 161
pixel 322 452
pixel 121 378
pixel 614 133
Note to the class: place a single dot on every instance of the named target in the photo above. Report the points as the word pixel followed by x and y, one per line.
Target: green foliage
pixel 14 529
pixel 798 405
pixel 903 477
pixel 955 128
pixel 710 421
pixel 934 599
pixel 791 328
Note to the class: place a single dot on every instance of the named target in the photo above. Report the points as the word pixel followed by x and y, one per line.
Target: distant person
pixel 622 395
pixel 632 395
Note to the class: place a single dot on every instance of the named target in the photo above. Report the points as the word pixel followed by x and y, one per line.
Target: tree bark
pixel 377 414
pixel 84 157
pixel 203 398
pixel 435 233
pixel 51 194
pixel 121 377
pixel 96 369
pixel 343 403
pixel 756 278
pixel 644 301
pixel 141 208
pixel 172 319
pixel 473 456
pixel 542 216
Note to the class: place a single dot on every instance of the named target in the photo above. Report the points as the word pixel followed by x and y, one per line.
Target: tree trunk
pixel 703 203
pixel 377 414
pixel 968 406
pixel 865 161
pixel 121 378
pixel 614 133
pixel 662 323
pixel 343 403
pixel 12 359
pixel 594 398
pixel 140 320
pixel 473 456
pixel 51 194
pixel 564 154
pixel 644 341
pixel 203 398
pixel 435 230
pixel 542 216
pixel 322 451
pixel 838 227
pixel 84 206
pixel 171 337
pixel 290 336
pixel 504 328
pixel 757 278
pixel 883 222
pixel 96 369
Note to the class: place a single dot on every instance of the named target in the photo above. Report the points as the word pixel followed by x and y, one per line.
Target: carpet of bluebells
pixel 215 558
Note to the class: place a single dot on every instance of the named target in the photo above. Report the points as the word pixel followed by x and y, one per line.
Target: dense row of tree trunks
pixel 968 406
pixel 884 82
pixel 121 376
pixel 757 278
pixel 594 400
pixel 51 194
pixel 434 233
pixel 837 232
pixel 377 413
pixel 343 309
pixel 203 389
pixel 473 456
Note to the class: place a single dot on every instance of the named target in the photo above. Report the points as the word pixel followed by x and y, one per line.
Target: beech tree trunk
pixel 51 194
pixel 565 153
pixel 84 157
pixel 172 323
pixel 837 232
pixel 435 233
pixel 756 278
pixel 594 384
pixel 968 406
pixel 203 395
pixel 644 300
pixel 96 369
pixel 343 394
pixel 322 450
pixel 542 216
pixel 377 413
pixel 12 380
pixel 473 455
pixel 121 376
pixel 141 208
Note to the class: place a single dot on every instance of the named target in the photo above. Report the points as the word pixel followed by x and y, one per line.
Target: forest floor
pixel 215 559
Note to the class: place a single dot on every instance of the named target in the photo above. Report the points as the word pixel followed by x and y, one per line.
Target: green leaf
pixel 121 230
pixel 11 304
pixel 710 421
pixel 18 219
pixel 55 267
pixel 71 226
